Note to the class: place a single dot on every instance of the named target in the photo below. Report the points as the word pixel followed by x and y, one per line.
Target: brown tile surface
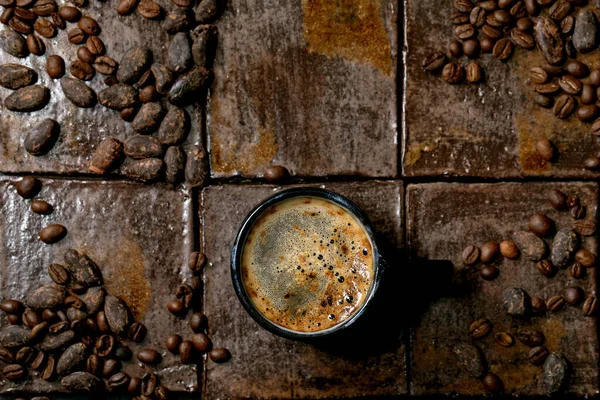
pixel 482 130
pixel 81 129
pixel 307 84
pixel 266 366
pixel 442 220
pixel 139 236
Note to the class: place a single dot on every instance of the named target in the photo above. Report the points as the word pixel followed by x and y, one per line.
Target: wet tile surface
pixel 140 238
pixel 481 130
pixel 293 79
pixel 81 129
pixel 443 219
pixel 266 366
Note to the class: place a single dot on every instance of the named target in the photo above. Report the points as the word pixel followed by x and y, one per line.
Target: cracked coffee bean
pixel 432 62
pixel 137 332
pixel 76 36
pixel 16 76
pixel 104 346
pixel 504 339
pixel 453 73
pixel 44 28
pixel 27 99
pixel 585 227
pixel 35 45
pixel 82 70
pixel 564 106
pixel 556 303
pixel 107 156
pixel 538 355
pixel 42 138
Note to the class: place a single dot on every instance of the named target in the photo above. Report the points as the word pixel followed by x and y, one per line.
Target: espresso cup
pixel 305 263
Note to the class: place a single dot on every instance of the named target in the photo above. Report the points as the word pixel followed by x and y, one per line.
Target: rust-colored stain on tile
pixel 125 277
pixel 244 157
pixel 352 29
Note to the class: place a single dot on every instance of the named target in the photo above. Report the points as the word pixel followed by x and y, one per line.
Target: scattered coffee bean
pixel 117 315
pixel 94 365
pixel 126 7
pixel 531 338
pixel 82 70
pixel 473 73
pixel 26 355
pixel 39 362
pixel 538 75
pixel 105 65
pixel 47 373
pixel 176 307
pixel 548 88
pixel 546 268
pixel 11 306
pixel 118 382
pixel 546 149
pixel 573 295
pixel 69 13
pixel 14 372
pixel 509 250
pixel 110 367
pixel 135 386
pixel 538 355
pixel 150 9
pixel 53 233
pixel 41 207
pixel 557 199
pixel 586 258
pixel 541 225
pixel 555 303
pixel 587 113
pixel 588 94
pixel 104 346
pixel 173 341
pixel 480 328
pixel 504 339
pixel 586 227
pixel 186 352
pixel 149 356
pixel 198 322
pixel 489 272
pixel 590 306
pixel 55 66
pixel 137 332
pixel 489 251
pixel 76 36
pixel 31 318
pixel 221 354
pixel 107 156
pixel 28 187
pixel 133 64
pixel 564 106
pixel 28 98
pixel 59 274
pixel 44 28
pixel 556 372
pixel 492 383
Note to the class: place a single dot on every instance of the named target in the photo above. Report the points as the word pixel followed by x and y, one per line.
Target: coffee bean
pixel 221 354
pixel 46 297
pixel 585 33
pixel 44 8
pixel 59 274
pixel 29 98
pixel 477 17
pixel 53 233
pixel 541 225
pixel 44 28
pixel 570 84
pixel 548 88
pixel 26 355
pixel 547 151
pixel 118 382
pixel 573 295
pixel 538 305
pixel 577 212
pixel 459 18
pixel 150 9
pixel 89 26
pixel 474 73
pixel 28 187
pixel 595 77
pixel 148 120
pixel 465 31
pixel 117 315
pixel 161 393
pixel 577 69
pixel 585 227
pixel 126 7
pixel 119 96
pixel 110 367
pixel 135 385
pixel 58 327
pixel 7 15
pixel 186 352
pixel 20 25
pixel 492 383
pixel 173 341
pixel 196 166
pixel 179 53
pixel 183 3
pixel 546 268
pixel 93 365
pixel 137 332
pixel 504 339
pixel 531 338
pixel 543 101
pixel 82 70
pixel 76 36
pixel 588 112
pixel 590 306
pixel 39 362
pixel 105 65
pixel 555 303
pixel 564 107
pixel 586 258
pixel 198 322
pixel 14 319
pixel 205 44
pixel 11 306
pixel 516 302
pixel 47 372
pixel 6 355
pixel 16 76
pixel 463 6
pixel 538 75
pixel 538 355
pixel 522 39
pixel 480 328
pixel 559 10
pixel 31 318
pixel 176 307
pixel 38 331
pixel 82 382
pixel 524 24
pixel 556 372
pixel 110 80
pixel 70 13
pixel 145 170
pixel 41 207
pixel 13 43
pixel 14 372
pixel 489 272
pixel 107 156
pixel 174 164
pixel 490 5
pixel 149 356
pixel 83 269
pixel 128 114
pixel 71 359
pixel 104 346
pixel 563 247
pixel 549 40
pixel 148 94
pixel 55 67
pixel 588 94
pixel 85 55
pixel 557 199
pixel 489 251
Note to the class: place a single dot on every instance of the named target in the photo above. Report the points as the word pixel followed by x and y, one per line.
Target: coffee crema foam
pixel 307 264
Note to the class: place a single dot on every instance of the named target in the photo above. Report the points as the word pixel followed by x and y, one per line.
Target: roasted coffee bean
pixel 137 332
pixel 126 7
pixel 463 6
pixel 14 319
pixel 549 40
pixel 164 77
pixel 541 225
pixel 548 88
pixel 6 355
pixel 477 17
pixel 28 187
pixel 490 5
pixel 95 47
pixel 85 55
pixel 39 362
pixel 453 73
pixel 123 352
pixel 173 341
pixel 577 212
pixel 82 382
pixel 573 295
pixel 509 249
pixel 128 114
pixel 135 386
pixel 63 339
pixel 7 15
pixel 570 85
pixel 70 13
pixel 590 306
pixel 117 315
pixel 538 305
pixel 118 382
pixel 555 303
pixel 503 49
pixel 585 227
pixel 577 270
pixel 149 356
pixel 198 322
pixel 38 331
pixel 489 272
pixel 48 371
pixel 161 393
pixel 537 355
pixel 110 80
pixel 41 207
pixel 577 69
pixel 89 26
pixel 459 18
pixel 145 170
pixel 504 339
pixel 31 318
pixel 149 383
pixel 53 233
pixel 104 346
pixel 557 199
pixel 585 33
pixel 93 365
pixel 480 328
pixel 465 31
pixel 596 128
pixel 196 166
pixel 71 359
pixel 119 96
pixel 44 8
pixel 14 372
pixel 492 383
pixel 55 66
pixel 150 9
pixel 588 94
pixel 531 338
pixel 564 106
pixel 524 24
pixel 44 28
pixel 543 101
pixel 26 355
pixel 595 77
pixel 78 92
pixel 20 25
pixel 107 156
pixel 567 25
pixel 82 70
pixel 148 94
pixel 183 3
pixel 42 138
pixel 146 79
pixel 559 10
pixel 489 251
pixel 59 274
pixel 518 10
pixel 473 73
pixel 185 293
pixel 59 327
pixel 105 65
pixel 586 258
pixel 176 307
pixel 556 373
pixel 110 367
pixel 588 112
pixel 220 354
pixel 522 39
pixel 16 76
pixel 546 268
pixel 46 297
pixel 186 352
pixel 13 43
pixel 491 32
pixel 11 306
pixel 76 36
pixel 28 98
pixel 538 75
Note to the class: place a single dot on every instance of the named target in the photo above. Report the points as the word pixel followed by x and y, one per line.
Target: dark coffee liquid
pixel 307 264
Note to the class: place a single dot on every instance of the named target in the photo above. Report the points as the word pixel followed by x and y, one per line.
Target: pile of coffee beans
pixel 566 253
pixel 560 30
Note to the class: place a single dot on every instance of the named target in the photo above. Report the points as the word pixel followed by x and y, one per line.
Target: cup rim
pixel 244 230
